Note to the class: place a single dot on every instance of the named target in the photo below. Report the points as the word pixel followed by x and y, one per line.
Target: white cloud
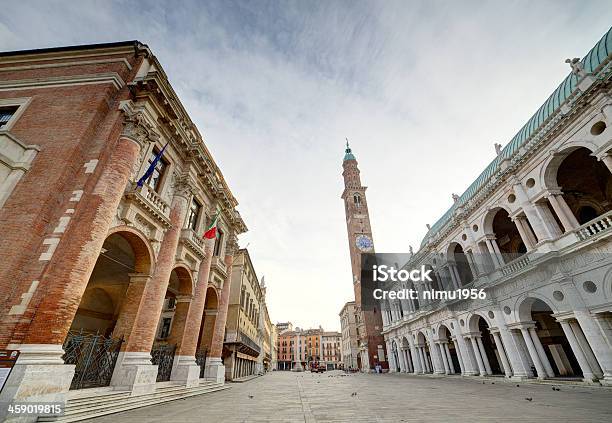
pixel 422 89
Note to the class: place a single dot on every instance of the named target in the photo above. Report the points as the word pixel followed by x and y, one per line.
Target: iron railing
pixel 201 360
pixel 162 355
pixel 94 357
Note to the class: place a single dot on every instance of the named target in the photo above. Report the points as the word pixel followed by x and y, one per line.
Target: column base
pixel 185 370
pixel 298 367
pixel 134 372
pixel 606 381
pixel 590 379
pixel 39 375
pixel 214 370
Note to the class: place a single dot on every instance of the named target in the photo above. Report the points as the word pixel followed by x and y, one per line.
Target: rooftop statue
pixel 577 67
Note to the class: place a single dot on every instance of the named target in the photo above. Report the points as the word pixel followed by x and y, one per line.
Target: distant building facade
pixel 349 338
pixel 308 346
pixel 247 334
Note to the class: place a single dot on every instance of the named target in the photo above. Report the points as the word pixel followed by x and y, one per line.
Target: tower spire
pixel 348 154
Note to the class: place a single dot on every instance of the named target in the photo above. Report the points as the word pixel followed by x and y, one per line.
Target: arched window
pixel 357 200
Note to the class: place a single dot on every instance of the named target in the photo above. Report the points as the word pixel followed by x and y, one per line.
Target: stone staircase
pixel 102 402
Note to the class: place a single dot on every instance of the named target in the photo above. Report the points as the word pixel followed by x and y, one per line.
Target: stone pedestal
pixel 297 367
pixel 214 370
pixel 39 375
pixel 134 372
pixel 185 370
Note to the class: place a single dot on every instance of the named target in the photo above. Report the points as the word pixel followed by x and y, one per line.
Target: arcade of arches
pixel 117 292
pixel 541 345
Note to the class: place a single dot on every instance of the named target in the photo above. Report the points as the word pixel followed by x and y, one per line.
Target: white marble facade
pixel 535 232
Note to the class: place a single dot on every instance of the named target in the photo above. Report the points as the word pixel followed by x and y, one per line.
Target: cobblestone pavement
pixel 328 397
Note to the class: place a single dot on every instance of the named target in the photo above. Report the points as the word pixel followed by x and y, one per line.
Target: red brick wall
pixel 72 125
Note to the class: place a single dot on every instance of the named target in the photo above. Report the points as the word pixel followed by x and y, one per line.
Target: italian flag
pixel 211 230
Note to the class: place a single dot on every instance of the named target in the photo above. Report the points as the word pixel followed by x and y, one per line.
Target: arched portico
pixel 105 316
pixel 557 346
pixel 489 348
pixel 459 265
pixel 579 186
pixel 207 327
pixel 423 352
pixel 450 356
pixel 506 239
pixel 171 325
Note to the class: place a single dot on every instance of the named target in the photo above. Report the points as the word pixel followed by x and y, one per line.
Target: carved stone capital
pixel 137 128
pixel 231 247
pixel 183 185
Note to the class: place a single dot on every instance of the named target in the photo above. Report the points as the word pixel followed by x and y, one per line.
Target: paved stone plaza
pixel 306 397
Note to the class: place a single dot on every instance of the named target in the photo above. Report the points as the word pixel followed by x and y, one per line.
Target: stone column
pixel 408 359
pixel 462 366
pixel 603 340
pixel 455 271
pixel 587 373
pixel 483 353
pixel 533 353
pixel 586 349
pixel 40 373
pixel 185 368
pixel 502 354
pixel 436 358
pixel 497 260
pixel 415 360
pixel 481 367
pixel 134 371
pixel 422 360
pixel 214 364
pixel 517 356
pixel 542 354
pixel 536 215
pixel 522 227
pixel 392 364
pixel 449 357
pixel 469 367
pixel 560 207
pixel 444 358
pixel 549 223
pixel 473 267
pixel 402 363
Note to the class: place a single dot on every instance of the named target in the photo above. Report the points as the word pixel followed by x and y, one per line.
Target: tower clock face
pixel 364 243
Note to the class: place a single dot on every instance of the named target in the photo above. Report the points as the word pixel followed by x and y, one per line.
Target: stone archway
pixel 172 320
pixel 486 346
pixel 586 183
pixel 459 265
pixel 104 318
pixel 207 327
pixel 504 237
pixel 424 353
pixel 553 356
pixel 448 347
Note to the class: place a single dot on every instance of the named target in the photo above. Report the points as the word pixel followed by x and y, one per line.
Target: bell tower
pixel 369 323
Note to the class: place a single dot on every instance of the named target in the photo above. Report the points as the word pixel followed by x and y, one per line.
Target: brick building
pixel 89 255
pixel 309 345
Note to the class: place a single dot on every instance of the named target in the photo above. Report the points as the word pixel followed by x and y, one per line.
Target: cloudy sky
pixel 423 89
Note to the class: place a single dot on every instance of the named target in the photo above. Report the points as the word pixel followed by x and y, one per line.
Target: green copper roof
pixel 348 154
pixel 591 62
